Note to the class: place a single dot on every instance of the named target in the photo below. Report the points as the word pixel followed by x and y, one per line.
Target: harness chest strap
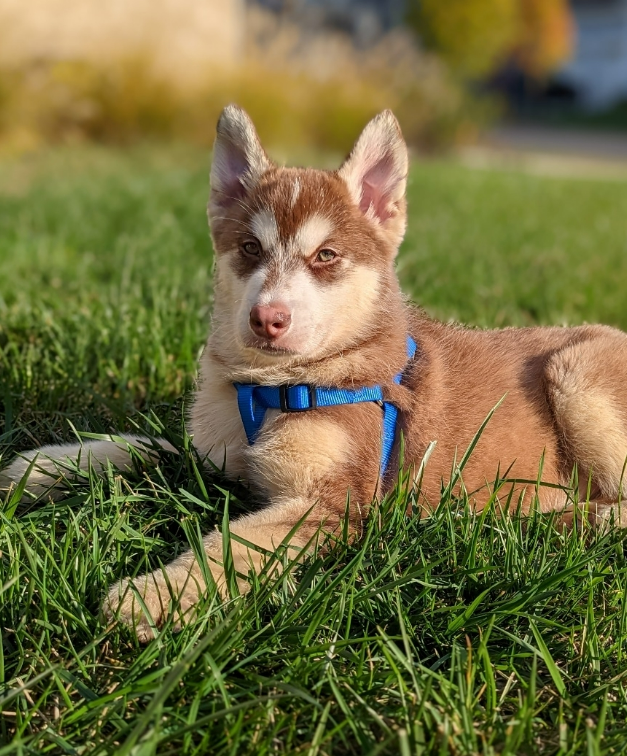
pixel 253 400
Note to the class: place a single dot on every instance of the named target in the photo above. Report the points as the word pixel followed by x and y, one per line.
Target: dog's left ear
pixel 239 160
pixel 376 175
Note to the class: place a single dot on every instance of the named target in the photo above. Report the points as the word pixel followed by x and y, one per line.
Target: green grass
pixel 456 634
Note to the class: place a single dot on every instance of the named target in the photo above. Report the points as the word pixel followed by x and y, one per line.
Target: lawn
pixel 457 634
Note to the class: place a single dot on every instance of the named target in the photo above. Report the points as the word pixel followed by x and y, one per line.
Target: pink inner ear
pixel 375 189
pixel 231 172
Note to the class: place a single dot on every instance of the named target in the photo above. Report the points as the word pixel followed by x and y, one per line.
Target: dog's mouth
pixel 270 349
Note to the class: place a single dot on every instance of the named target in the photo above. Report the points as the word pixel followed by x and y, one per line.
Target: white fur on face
pixel 325 316
pixel 295 192
pixel 313 233
pixel 264 226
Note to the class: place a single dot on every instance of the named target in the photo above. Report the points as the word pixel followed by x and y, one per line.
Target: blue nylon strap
pixel 304 397
pixel 253 401
pixel 251 412
pixel 390 416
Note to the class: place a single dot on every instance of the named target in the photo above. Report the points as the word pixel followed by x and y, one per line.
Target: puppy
pixel 316 365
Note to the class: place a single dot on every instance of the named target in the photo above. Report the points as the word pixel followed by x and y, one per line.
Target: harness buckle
pixel 311 392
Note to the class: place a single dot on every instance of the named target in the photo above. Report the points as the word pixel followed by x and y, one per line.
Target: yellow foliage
pixel 129 99
pixel 106 81
pixel 476 36
pixel 546 35
pixel 472 35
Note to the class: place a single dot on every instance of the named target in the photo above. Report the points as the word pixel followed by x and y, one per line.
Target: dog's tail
pixel 44 471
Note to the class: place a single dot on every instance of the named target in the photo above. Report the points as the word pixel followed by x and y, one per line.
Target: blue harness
pixel 253 400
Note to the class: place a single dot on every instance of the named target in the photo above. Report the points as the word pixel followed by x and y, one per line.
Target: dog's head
pixel 304 258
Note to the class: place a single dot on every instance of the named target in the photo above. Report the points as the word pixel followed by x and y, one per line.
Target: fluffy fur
pixel 320 246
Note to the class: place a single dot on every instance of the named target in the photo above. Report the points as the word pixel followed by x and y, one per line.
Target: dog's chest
pixel 216 424
pixel 292 452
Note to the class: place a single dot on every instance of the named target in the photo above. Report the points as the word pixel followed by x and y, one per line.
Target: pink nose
pixel 270 321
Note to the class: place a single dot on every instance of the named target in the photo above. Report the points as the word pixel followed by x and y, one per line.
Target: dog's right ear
pixel 376 175
pixel 239 160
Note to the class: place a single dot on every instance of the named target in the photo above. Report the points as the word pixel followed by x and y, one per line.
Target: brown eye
pixel 251 248
pixel 325 255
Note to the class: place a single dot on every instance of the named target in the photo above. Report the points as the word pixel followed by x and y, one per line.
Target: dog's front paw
pixel 147 601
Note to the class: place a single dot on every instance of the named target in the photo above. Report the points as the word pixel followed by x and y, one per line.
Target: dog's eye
pixel 251 248
pixel 325 255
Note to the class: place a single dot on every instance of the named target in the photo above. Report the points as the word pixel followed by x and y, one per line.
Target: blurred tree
pixel 471 35
pixel 545 37
pixel 477 36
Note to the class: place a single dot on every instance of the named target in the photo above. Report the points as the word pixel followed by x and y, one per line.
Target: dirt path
pixel 551 151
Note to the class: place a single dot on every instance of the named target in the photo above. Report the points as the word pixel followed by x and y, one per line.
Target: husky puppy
pixel 308 309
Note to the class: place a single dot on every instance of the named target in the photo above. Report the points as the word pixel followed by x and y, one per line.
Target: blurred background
pixel 309 71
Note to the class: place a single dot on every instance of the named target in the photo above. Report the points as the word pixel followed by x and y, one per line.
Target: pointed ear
pixel 239 160
pixel 376 174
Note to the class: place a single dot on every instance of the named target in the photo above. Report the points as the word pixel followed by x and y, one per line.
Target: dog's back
pixel 557 408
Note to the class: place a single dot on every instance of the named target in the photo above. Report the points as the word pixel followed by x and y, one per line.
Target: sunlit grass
pixel 453 634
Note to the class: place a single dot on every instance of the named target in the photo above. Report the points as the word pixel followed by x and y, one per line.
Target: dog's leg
pixel 306 465
pixel 179 586
pixel 55 464
pixel 587 389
